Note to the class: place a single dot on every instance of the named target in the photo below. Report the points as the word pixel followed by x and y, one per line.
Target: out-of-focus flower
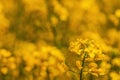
pixel 38 6
pixel 116 62
pixel 117 13
pixel 54 20
pixel 114 76
pixel 114 19
pixel 60 10
pixel 4 53
pixel 86 4
pixel 4 70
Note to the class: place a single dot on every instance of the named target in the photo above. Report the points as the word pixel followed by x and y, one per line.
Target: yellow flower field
pixel 59 40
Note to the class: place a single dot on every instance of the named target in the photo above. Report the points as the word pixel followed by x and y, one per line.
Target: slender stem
pixel 81 71
pixel 48 74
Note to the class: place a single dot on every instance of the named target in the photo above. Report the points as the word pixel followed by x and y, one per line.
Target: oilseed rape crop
pixel 59 40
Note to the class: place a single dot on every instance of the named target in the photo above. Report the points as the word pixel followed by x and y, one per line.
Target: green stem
pixel 48 74
pixel 81 71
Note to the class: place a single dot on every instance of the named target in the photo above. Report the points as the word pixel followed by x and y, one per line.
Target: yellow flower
pixel 117 13
pixel 12 66
pixel 11 59
pixel 92 65
pixel 1 8
pixel 4 23
pixel 51 61
pixel 5 53
pixel 93 71
pixel 115 76
pixel 78 64
pixel 116 62
pixel 4 70
pixel 89 54
pixel 101 71
pixel 54 20
pixel 61 11
pixel 86 4
pixel 28 68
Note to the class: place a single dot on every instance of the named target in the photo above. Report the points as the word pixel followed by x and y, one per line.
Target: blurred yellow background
pixel 35 36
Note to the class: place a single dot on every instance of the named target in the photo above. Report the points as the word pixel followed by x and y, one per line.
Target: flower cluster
pixel 28 62
pixel 25 24
pixel 90 56
pixel 9 65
